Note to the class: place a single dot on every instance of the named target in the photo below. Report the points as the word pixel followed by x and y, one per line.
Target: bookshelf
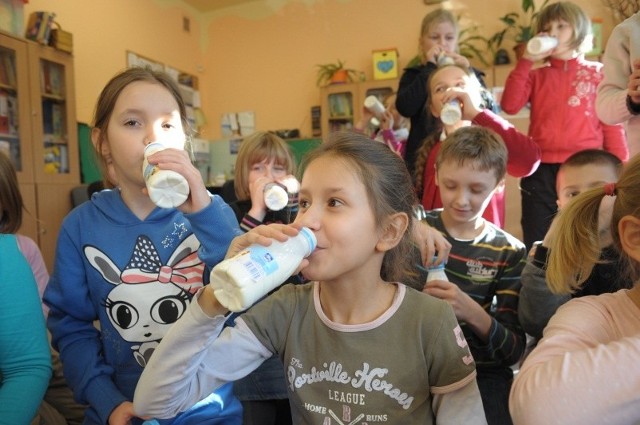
pixel 55 149
pixel 341 104
pixel 38 130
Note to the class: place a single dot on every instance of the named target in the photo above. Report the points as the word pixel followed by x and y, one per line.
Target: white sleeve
pixel 195 357
pixel 611 105
pixel 581 372
pixel 462 406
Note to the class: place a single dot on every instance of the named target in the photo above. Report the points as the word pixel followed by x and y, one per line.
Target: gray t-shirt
pixel 385 371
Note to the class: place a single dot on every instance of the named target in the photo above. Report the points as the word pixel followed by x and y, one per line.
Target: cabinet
pixel 38 131
pixel 342 103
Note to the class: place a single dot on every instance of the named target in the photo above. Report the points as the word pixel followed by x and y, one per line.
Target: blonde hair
pixel 582 38
pixel 254 149
pixel 576 249
pixel 436 17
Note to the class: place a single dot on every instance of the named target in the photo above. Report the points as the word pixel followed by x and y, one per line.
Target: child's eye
pixel 131 123
pixel 572 194
pixel 168 125
pixel 303 204
pixel 440 89
pixel 450 37
pixel 279 168
pixel 333 202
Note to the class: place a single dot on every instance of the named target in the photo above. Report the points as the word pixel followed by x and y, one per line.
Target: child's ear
pixel 393 231
pixel 95 137
pixel 629 231
pixel 500 186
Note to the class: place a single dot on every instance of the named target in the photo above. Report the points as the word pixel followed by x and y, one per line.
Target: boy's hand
pixel 430 241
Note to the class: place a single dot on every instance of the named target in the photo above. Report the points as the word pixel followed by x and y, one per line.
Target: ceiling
pixel 205 6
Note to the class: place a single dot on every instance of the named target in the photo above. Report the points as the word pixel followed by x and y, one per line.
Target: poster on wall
pixel 237 124
pixel 134 59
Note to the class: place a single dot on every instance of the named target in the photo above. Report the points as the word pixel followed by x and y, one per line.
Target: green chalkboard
pixel 300 147
pixel 89 169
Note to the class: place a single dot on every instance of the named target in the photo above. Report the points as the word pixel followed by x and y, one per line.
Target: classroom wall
pixel 257 57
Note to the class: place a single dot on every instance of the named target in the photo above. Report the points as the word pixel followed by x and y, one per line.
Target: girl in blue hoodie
pixel 125 269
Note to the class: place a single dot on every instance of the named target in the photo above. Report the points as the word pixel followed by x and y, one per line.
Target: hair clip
pixel 610 189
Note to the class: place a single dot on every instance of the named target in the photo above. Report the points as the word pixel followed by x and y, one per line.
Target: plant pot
pixel 339 77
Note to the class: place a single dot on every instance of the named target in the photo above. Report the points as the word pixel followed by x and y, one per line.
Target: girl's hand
pixel 178 160
pixel 386 122
pixel 365 119
pixel 256 190
pixel 122 414
pixel 540 56
pixel 469 108
pixel 432 54
pixel 634 83
pixel 262 235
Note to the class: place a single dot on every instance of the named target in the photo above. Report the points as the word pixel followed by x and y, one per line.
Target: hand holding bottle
pixel 240 281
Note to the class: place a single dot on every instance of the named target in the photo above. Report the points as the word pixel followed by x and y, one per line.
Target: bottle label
pixel 260 263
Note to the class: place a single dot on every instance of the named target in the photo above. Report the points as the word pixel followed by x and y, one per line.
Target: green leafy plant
pixel 519 26
pixel 328 73
pixel 468 44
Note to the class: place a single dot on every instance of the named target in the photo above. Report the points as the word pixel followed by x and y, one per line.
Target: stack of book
pixel 39 26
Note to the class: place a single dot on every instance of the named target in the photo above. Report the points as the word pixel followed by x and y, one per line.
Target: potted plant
pixel 334 73
pixel 520 26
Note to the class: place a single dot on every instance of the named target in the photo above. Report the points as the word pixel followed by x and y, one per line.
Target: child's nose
pixel 461 198
pixel 308 218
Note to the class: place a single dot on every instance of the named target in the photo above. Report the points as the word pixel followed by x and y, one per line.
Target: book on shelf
pixel 340 105
pixel 7 69
pixel 51 78
pixel 14 123
pixel 56 119
pixel 4 113
pixel 39 26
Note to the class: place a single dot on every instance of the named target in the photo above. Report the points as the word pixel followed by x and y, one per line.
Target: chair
pixel 228 192
pixel 79 194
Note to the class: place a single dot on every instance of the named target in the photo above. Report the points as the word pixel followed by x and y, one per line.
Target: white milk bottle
pixel 374 106
pixel 167 189
pixel 276 196
pixel 238 282
pixel 540 44
pixel 436 273
pixel 451 112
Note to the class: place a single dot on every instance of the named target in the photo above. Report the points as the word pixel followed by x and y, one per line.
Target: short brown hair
pixel 478 145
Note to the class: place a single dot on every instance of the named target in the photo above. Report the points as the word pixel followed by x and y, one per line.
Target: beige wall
pixel 256 57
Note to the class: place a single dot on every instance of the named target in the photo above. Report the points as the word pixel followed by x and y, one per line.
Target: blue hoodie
pixel 135 278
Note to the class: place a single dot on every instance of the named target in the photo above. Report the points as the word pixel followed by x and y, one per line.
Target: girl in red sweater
pixel 562 93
